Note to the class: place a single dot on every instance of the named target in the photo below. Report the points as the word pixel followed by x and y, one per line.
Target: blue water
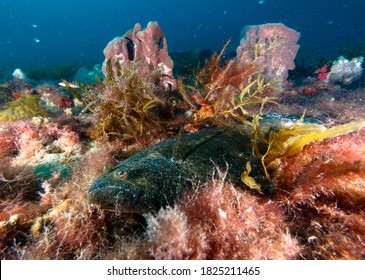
pixel 40 33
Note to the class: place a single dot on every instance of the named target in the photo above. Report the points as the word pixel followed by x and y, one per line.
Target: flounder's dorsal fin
pixel 185 145
pixel 179 149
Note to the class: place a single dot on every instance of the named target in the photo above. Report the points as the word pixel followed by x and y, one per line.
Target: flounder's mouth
pixel 123 198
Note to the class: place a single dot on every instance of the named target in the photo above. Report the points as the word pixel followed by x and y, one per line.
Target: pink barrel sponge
pixel 147 46
pixel 277 48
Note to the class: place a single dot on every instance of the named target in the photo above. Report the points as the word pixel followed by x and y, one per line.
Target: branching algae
pixel 129 106
pixel 221 95
pixel 25 106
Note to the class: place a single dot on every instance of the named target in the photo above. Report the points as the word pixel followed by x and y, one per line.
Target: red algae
pixel 316 213
pixel 32 139
pixel 71 228
pixel 323 191
pixel 7 142
pixel 221 221
pixel 329 103
pixel 53 96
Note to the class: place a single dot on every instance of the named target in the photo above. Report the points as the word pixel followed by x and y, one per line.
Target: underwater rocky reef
pixel 293 188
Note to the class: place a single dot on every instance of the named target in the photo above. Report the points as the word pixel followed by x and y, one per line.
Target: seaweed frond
pixel 25 106
pixel 129 106
pixel 288 142
pixel 291 141
pixel 225 93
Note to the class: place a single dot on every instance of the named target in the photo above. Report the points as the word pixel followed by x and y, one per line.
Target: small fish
pixel 261 2
pixel 34 25
pixel 71 85
pixel 36 40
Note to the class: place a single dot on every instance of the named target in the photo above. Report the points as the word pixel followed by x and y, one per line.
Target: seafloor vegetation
pixel 56 140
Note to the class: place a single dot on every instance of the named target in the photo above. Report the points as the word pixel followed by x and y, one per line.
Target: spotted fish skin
pixel 155 177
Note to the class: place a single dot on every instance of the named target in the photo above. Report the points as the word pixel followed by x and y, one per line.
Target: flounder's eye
pixel 120 174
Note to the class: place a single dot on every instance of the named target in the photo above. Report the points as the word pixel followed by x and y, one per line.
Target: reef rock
pixel 345 71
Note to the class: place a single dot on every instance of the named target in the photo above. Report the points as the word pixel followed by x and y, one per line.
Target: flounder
pixel 155 177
